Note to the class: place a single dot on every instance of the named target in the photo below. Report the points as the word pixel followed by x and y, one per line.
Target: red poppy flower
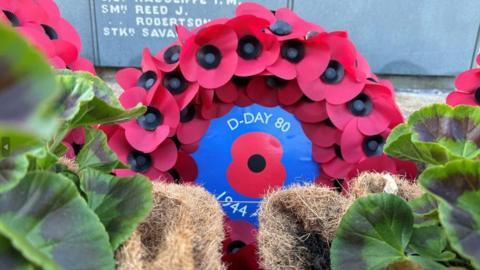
pixel 169 57
pixel 210 56
pixel 182 90
pixel 192 125
pixel 340 80
pixel 74 141
pixel 331 160
pixel 149 78
pixel 383 163
pixel 323 134
pixel 256 49
pixel 211 105
pixel 256 164
pixel 309 111
pixel 160 120
pixel 239 246
pixel 357 146
pixel 152 164
pixel 301 58
pixel 184 171
pixel 271 91
pixel 83 64
pixel 467 91
pixel 19 13
pixel 284 23
pixel 371 111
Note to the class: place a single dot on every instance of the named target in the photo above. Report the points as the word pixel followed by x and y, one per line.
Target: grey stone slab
pixel 416 37
pixel 125 27
pixel 77 12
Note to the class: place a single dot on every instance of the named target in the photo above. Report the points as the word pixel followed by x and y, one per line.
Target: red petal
pixel 66 50
pixel 290 94
pixel 192 131
pixel 283 69
pixel 343 92
pixel 119 145
pixel 132 97
pixel 339 115
pixel 374 164
pixel 183 33
pixel 144 140
pixel 83 64
pixel 352 143
pixel 227 93
pixel 317 56
pixel 468 81
pixel 256 10
pixel 321 134
pixel 459 98
pixel 337 168
pixel 186 167
pixel 128 77
pixel 260 93
pixel 165 156
pixel 311 112
pixel 322 154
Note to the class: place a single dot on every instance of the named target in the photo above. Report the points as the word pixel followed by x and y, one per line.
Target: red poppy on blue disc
pixel 271 91
pixel 160 120
pixel 182 90
pixel 284 23
pixel 357 146
pixel 256 49
pixel 192 125
pixel 149 78
pixel 371 111
pixel 467 91
pixel 339 81
pixel 152 164
pixel 331 160
pixel 74 141
pixel 211 106
pixel 299 57
pixel 169 57
pixel 309 111
pixel 210 56
pixel 256 164
pixel 323 134
pixel 383 163
pixel 184 171
pixel 239 247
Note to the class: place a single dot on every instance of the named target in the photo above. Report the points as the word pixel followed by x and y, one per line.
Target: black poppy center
pixel 50 32
pixel 249 47
pixel 151 119
pixel 175 83
pixel 235 246
pixel 240 81
pixel 209 57
pixel 293 51
pixel 361 105
pixel 334 73
pixel 275 82
pixel 12 18
pixel 175 175
pixel 147 80
pixel 477 95
pixel 172 54
pixel 281 28
pixel 187 114
pixel 139 161
pixel 373 145
pixel 257 163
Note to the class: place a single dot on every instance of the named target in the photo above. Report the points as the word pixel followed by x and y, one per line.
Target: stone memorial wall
pixel 408 37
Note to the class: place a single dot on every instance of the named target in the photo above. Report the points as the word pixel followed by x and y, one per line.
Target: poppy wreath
pixel 467 88
pixel 41 23
pixel 270 58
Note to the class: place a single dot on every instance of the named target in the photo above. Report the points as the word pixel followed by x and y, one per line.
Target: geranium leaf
pixel 120 203
pixel 27 94
pixel 425 210
pixel 11 259
pixel 373 233
pixel 12 170
pixel 437 134
pixel 96 154
pixel 87 100
pixel 46 220
pixel 457 186
pixel 430 242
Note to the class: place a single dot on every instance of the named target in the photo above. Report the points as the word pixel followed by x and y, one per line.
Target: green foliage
pixel 437 134
pixel 446 219
pixel 120 203
pixel 55 216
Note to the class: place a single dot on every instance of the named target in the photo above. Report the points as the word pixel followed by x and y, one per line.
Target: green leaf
pixel 96 153
pixel 373 233
pixel 46 220
pixel 425 263
pixel 27 94
pixel 437 134
pixel 87 100
pixel 457 187
pixel 430 242
pixel 425 210
pixel 11 259
pixel 12 170
pixel 120 203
